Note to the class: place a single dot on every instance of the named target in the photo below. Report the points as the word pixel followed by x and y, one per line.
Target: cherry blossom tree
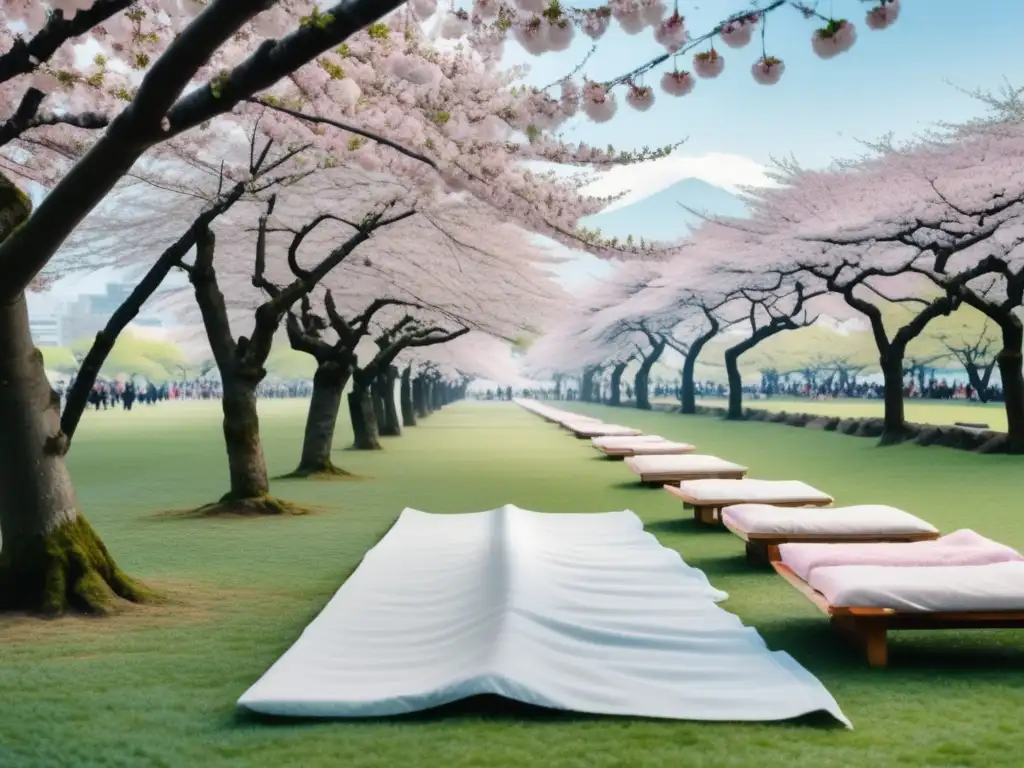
pixel 452 271
pixel 948 211
pixel 797 229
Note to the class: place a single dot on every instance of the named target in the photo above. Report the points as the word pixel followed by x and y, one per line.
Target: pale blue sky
pixel 892 80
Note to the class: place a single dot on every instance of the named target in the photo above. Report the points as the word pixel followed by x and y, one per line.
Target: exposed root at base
pixel 326 471
pixel 259 506
pixel 66 570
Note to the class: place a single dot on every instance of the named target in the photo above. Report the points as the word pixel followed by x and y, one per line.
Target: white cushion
pixel 596 430
pixel 763 491
pixel 624 441
pixel 859 520
pixel 996 587
pixel 654 465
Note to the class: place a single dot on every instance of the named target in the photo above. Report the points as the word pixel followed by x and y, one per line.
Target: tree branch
pixel 376 137
pixel 25 57
pixel 275 59
pixel 78 395
pixel 259 279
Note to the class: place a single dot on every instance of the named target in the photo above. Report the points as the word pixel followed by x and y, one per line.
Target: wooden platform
pixel 665 479
pixel 763 548
pixel 622 453
pixel 867 628
pixel 710 513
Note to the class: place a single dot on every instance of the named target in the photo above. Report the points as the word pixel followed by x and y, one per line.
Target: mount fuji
pixel 658 217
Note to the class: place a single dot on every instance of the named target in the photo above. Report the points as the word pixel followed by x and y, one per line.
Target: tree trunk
pixel 1009 361
pixel 732 371
pixel 364 418
pixel 979 378
pixel 615 397
pixel 51 560
pixel 391 426
pixel 407 397
pixel 247 467
pixel 318 441
pixel 641 383
pixel 894 416
pixel 419 396
pixel 587 385
pixel 377 400
pixel 687 390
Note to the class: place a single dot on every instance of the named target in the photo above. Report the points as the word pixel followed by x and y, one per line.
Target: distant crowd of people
pixel 125 394
pixel 933 389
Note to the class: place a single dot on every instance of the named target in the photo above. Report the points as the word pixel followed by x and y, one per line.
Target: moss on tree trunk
pixel 51 561
pixel 318 440
pixel 406 398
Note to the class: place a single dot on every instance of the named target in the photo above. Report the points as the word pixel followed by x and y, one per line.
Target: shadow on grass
pixel 635 485
pixel 684 525
pixel 497 709
pixel 914 656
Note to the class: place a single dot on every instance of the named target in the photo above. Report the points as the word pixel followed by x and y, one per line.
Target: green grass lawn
pixel 157 685
pixel 941 412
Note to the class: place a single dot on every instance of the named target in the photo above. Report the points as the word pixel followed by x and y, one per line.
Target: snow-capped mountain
pixel 661 216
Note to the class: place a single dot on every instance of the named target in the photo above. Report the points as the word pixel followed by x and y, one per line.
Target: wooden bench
pixel 867 628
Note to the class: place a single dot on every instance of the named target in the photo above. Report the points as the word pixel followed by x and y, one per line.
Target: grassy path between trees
pixel 156 686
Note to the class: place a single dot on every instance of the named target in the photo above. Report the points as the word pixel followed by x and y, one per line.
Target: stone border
pixel 960 438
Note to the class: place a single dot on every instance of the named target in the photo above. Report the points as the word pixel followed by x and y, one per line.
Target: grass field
pixel 157 686
pixel 919 411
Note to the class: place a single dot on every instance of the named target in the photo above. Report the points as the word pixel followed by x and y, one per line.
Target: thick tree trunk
pixel 391 426
pixel 377 400
pixel 641 384
pixel 587 384
pixel 894 415
pixel 318 441
pixel 615 397
pixel 1009 361
pixel 406 397
pixel 364 418
pixel 732 371
pixel 247 467
pixel 51 560
pixel 419 396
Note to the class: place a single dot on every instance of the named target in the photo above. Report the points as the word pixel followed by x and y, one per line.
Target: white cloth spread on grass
pixel 583 612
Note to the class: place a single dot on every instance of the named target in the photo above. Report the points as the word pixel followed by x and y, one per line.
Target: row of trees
pixel 905 239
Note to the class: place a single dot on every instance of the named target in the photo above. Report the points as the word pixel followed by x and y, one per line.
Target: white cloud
pixel 729 172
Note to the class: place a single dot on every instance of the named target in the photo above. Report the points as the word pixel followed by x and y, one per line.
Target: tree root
pixel 259 506
pixel 325 471
pixel 66 570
